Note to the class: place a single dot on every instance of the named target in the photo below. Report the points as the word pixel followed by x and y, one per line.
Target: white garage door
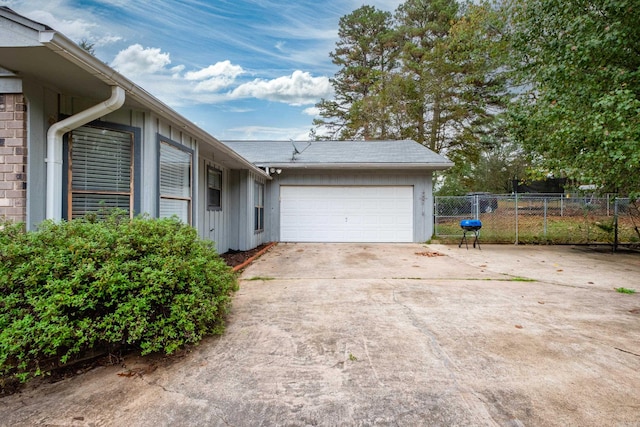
pixel 346 214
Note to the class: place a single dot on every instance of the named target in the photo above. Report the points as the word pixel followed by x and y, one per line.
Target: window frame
pixel 136 162
pixel 173 144
pixel 211 206
pixel 258 206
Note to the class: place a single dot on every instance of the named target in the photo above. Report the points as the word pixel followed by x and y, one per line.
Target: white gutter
pixel 54 146
pixel 390 166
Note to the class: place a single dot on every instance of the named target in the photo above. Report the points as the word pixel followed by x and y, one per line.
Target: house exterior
pixel 76 137
pixel 346 191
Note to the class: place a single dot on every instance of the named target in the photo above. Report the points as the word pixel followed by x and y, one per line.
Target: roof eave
pixel 69 50
pixel 393 166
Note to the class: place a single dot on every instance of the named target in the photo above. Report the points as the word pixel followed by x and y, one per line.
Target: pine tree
pixel 366 53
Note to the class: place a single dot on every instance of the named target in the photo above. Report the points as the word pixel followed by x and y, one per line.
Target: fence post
pixel 476 203
pixel 516 242
pixel 545 217
pixel 615 224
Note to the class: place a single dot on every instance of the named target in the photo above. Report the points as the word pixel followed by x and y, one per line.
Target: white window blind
pixel 258 199
pixel 214 188
pixel 100 172
pixel 175 182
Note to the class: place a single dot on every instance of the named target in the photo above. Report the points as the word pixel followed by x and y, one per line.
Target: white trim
pixel 351 166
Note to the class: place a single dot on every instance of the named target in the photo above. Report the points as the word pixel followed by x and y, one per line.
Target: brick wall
pixel 13 157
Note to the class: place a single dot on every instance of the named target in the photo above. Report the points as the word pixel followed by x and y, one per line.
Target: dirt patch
pixel 429 254
pixel 234 258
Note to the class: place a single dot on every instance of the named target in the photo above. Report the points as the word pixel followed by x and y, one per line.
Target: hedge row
pixel 70 288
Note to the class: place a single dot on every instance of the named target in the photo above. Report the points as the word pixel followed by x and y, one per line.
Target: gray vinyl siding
pixel 241 235
pixel 420 180
pixel 43 103
pixel 256 238
pixel 214 225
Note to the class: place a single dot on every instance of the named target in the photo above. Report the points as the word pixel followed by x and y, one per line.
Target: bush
pixel 75 287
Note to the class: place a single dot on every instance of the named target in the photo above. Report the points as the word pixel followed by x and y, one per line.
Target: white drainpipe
pixel 54 146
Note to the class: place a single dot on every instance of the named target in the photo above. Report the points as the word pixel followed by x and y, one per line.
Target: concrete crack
pixel 468 395
pixel 366 351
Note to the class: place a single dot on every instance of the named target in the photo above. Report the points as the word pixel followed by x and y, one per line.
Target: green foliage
pixel 625 290
pixel 579 65
pixel 88 46
pixel 455 54
pixel 72 287
pixel 493 171
pixel 366 54
pixel 432 73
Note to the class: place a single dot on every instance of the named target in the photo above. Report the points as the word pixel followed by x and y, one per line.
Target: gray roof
pixel 402 154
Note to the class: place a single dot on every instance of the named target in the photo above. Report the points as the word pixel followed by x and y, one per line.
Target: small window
pixel 175 181
pixel 258 197
pixel 214 189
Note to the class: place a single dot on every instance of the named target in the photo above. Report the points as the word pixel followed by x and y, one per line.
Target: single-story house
pixel 76 136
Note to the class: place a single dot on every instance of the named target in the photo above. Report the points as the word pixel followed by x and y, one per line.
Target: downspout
pixel 54 146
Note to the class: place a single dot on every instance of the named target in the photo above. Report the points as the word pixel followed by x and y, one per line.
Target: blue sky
pixel 240 69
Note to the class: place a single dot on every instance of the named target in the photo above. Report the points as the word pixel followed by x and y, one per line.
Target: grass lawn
pixel 500 227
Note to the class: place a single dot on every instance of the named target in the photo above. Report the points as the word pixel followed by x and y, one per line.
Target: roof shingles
pixel 283 153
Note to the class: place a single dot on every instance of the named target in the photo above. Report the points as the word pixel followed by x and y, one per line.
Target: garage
pixel 342 191
pixel 346 213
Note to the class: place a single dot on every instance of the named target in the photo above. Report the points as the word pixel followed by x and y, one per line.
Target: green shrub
pixel 85 285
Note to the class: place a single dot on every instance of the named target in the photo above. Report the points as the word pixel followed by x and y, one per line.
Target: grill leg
pixel 477 233
pixel 464 239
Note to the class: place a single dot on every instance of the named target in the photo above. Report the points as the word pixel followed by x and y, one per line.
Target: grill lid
pixel 471 224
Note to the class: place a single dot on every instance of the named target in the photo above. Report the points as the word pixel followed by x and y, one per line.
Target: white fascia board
pixel 352 166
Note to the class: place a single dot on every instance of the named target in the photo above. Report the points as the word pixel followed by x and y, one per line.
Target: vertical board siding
pixel 254 238
pixel 212 225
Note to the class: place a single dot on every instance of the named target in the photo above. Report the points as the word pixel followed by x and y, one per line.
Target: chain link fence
pixel 546 219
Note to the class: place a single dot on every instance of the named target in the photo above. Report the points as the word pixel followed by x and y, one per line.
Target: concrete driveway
pixel 406 334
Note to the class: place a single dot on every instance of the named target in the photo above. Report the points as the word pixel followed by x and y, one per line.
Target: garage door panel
pixel 346 214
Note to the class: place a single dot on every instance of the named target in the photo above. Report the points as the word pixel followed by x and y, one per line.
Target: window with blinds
pixel 175 182
pixel 258 198
pixel 100 171
pixel 214 189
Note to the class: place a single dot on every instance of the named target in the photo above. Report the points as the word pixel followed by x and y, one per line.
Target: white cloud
pixel 214 85
pixel 267 133
pixel 151 68
pixel 175 71
pixel 297 89
pixel 224 68
pixel 215 77
pixel 136 60
pixel 76 29
pixel 106 40
pixel 311 111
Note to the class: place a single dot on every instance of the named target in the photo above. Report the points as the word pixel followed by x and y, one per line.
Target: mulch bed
pixel 234 258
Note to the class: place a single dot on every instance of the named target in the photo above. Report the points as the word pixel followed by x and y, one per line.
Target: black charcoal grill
pixel 473 226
